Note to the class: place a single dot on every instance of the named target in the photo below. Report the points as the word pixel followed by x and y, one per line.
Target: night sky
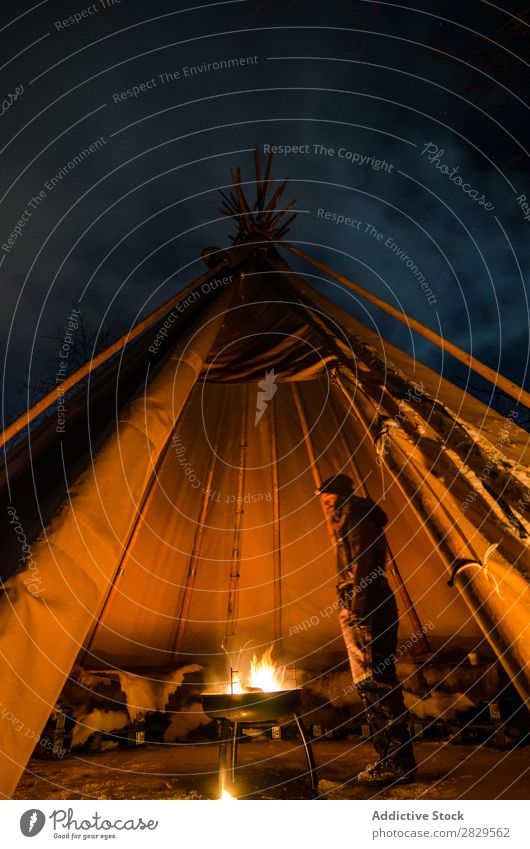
pixel 408 119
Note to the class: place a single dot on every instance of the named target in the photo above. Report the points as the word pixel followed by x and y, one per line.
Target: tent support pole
pixel 491 613
pixel 183 613
pixel 128 546
pixel 492 376
pixel 305 433
pixel 235 565
pixel 310 450
pixel 276 540
pixel 42 405
pixel 393 570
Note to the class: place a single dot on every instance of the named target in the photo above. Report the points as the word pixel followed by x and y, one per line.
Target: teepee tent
pixel 173 515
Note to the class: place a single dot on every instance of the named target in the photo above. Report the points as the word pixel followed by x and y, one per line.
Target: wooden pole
pixel 310 451
pixel 276 540
pixel 42 405
pixel 235 565
pixel 129 544
pixel 508 386
pixel 199 534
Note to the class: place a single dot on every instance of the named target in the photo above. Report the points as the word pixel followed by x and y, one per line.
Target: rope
pixel 482 566
pixel 381 444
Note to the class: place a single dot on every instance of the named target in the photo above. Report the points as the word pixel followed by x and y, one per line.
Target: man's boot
pixel 385 712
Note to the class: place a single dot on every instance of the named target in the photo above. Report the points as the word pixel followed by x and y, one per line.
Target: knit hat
pixel 336 485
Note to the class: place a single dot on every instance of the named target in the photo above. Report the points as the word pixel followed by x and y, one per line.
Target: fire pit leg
pixel 226 749
pixel 308 753
pixel 233 763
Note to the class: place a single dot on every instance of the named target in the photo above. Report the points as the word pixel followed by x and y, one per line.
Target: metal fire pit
pixel 251 707
pixel 239 710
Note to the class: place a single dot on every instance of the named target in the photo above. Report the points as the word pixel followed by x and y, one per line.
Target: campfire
pixel 266 695
pixel 264 676
pixel 258 691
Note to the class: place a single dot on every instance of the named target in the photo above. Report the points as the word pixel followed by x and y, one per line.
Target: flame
pixel 227 797
pixel 264 674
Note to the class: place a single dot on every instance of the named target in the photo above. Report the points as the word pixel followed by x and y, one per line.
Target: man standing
pixel 369 621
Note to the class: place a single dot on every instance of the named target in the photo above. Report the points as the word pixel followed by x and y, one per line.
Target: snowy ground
pixel 275 769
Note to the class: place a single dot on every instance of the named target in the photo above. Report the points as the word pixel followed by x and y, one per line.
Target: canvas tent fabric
pixel 186 518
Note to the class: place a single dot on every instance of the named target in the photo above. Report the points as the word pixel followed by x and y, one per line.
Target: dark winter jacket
pixel 361 553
